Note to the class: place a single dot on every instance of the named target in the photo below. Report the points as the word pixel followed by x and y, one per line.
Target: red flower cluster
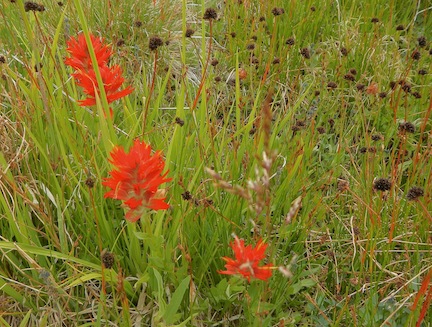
pixel 136 180
pixel 246 261
pixel 85 75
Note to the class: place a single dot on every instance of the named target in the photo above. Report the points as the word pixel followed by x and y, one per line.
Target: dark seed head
pixel 353 71
pixel 406 87
pixel 374 20
pixel 422 72
pixel 278 11
pixel 120 42
pixel 107 259
pixel 189 32
pixel 317 92
pixel 416 55
pixel 360 87
pixel 250 46
pixel 344 51
pixel 179 121
pixel 155 42
pixel 33 6
pixel 312 8
pixel 89 182
pixel 382 184
pixel 376 137
pixel 393 85
pixel 214 62
pixel 2 59
pixel 363 149
pixel 290 41
pixel 138 23
pixel 217 79
pixel 414 193
pixel 400 27
pixel 331 85
pixel 407 127
pixel 349 77
pixel 382 95
pixel 305 53
pixel 416 95
pixel 276 61
pixel 210 14
pixel 262 19
pixel 321 130
pixel 421 41
pixel 233 34
pixel 187 196
pixel 60 3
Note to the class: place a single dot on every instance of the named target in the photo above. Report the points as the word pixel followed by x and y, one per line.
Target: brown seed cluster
pixel 89 182
pixel 422 41
pixel 360 87
pixel 349 77
pixel 187 196
pixel 179 121
pixel 155 42
pixel 382 184
pixel 305 52
pixel 344 51
pixel 2 59
pixel 407 127
pixel 331 85
pixel 189 32
pixel 414 193
pixel 416 55
pixel 33 6
pixel 290 41
pixel 210 14
pixel 107 259
pixel 276 11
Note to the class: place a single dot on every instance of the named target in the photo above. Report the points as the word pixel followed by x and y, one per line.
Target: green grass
pixel 352 255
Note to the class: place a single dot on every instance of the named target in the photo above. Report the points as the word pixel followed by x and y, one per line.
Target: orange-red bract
pixel 112 79
pixel 246 262
pixel 84 71
pixel 80 56
pixel 136 179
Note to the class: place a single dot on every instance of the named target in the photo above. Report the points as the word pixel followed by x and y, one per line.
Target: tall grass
pixel 262 143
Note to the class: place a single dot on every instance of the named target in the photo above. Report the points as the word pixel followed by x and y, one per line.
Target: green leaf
pixel 25 320
pixel 172 307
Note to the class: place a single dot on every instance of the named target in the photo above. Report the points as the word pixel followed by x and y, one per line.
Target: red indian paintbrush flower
pixel 136 180
pixel 112 79
pixel 246 261
pixel 80 56
pixel 85 75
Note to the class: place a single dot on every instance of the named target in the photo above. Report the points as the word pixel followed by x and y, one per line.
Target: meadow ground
pixel 215 163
